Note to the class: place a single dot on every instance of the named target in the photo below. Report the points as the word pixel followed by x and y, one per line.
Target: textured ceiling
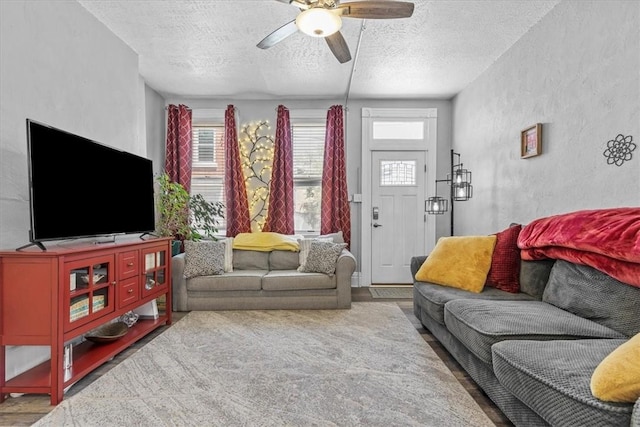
pixel 208 48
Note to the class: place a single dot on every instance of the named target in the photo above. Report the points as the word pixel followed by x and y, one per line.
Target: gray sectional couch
pixel 533 352
pixel 263 280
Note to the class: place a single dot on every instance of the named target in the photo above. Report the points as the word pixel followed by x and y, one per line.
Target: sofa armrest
pixel 635 414
pixel 416 263
pixel 178 283
pixel 345 267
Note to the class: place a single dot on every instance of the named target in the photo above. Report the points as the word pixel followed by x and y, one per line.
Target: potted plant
pixel 205 216
pixel 183 216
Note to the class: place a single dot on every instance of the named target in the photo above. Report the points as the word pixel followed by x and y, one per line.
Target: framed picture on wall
pixel 531 141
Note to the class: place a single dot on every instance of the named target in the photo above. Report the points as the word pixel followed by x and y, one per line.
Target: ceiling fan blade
pixel 303 4
pixel 278 35
pixel 339 47
pixel 376 9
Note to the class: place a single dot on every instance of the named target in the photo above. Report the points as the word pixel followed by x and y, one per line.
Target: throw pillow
pixel 305 245
pixel 336 237
pixel 460 262
pixel 617 377
pixel 228 254
pixel 203 258
pixel 322 257
pixel 504 273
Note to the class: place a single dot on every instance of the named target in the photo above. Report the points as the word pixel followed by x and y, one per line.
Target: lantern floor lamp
pixel 460 189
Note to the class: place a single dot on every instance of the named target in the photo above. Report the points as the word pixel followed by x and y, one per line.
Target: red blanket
pixel 605 239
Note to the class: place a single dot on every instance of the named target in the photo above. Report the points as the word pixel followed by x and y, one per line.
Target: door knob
pixel 376 225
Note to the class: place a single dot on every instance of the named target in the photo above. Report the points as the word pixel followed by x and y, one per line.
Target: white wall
pixel 156 128
pixel 576 72
pixel 60 66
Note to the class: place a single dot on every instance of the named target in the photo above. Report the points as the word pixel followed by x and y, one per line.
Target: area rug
pixel 396 292
pixel 367 366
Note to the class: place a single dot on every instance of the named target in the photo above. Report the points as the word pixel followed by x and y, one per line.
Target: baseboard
pixel 355 280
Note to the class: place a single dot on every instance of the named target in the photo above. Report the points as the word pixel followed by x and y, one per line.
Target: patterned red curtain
pixel 237 215
pixel 280 214
pixel 335 212
pixel 178 149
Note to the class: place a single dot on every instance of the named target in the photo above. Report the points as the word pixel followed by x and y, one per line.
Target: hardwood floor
pixel 27 409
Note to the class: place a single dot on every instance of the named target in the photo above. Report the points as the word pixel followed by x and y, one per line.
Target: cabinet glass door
pixel 90 289
pixel 155 271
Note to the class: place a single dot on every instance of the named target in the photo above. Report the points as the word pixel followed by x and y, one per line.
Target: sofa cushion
pixel 287 280
pixel 283 260
pixel 203 258
pixel 250 260
pixel 504 273
pixel 237 280
pixel 617 377
pixel 479 324
pixel 433 297
pixel 459 262
pixel 534 276
pixel 552 378
pixel 594 295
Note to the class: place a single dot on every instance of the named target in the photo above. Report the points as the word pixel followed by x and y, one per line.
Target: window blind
pixel 308 152
pixel 204 141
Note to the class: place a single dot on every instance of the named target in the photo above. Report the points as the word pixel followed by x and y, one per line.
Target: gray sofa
pixel 263 280
pixel 533 352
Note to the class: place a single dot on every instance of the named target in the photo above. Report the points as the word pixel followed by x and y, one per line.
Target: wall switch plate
pixel 357 198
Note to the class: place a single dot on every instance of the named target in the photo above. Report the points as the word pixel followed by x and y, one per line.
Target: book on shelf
pixel 80 306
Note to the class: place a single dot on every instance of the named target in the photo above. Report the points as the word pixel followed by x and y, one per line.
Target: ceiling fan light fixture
pixel 318 22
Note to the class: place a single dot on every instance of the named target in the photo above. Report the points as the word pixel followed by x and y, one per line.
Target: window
pixel 398 130
pixel 203 143
pixel 307 132
pixel 397 173
pixel 308 158
pixel 207 173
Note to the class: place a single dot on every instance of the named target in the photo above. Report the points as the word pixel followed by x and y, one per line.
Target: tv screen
pixel 81 188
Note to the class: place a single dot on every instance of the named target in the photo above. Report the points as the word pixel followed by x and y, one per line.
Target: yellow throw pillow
pixel 617 377
pixel 266 242
pixel 460 262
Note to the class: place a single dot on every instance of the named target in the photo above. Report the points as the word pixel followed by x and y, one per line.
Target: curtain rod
pixel 345 108
pixel 166 107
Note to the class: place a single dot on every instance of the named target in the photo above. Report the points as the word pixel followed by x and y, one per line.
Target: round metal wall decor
pixel 619 150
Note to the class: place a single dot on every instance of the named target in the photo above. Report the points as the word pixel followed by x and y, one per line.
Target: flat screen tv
pixel 82 188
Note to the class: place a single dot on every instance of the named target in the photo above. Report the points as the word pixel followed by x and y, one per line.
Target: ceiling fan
pixel 323 18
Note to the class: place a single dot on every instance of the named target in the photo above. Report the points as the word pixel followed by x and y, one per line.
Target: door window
pixel 397 172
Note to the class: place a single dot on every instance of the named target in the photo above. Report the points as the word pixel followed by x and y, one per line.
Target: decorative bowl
pixel 96 278
pixel 129 318
pixel 108 333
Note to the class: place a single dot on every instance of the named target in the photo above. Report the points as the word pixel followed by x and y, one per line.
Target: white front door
pixel 397 214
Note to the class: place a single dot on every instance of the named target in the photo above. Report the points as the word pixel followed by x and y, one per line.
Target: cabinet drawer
pixel 129 264
pixel 128 292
